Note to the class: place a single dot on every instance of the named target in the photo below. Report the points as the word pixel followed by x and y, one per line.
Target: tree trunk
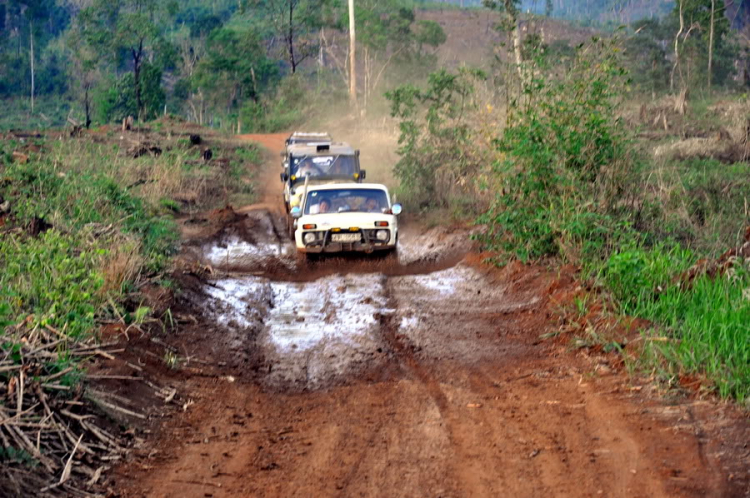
pixel 711 44
pixel 31 60
pixel 87 105
pixel 517 44
pixel 352 58
pixel 677 47
pixel 290 37
pixel 137 56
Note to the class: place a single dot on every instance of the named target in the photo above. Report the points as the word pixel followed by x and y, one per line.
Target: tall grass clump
pixel 74 243
pixel 706 320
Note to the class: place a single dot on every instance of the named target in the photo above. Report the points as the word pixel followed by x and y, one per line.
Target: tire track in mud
pixel 404 353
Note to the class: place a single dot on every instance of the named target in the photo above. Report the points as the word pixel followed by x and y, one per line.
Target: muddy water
pixel 318 331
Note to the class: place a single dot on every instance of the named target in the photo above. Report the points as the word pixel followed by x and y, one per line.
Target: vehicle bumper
pixel 324 244
pixel 344 247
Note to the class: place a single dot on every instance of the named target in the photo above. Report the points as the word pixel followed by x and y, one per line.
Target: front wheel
pixel 290 227
pixel 390 256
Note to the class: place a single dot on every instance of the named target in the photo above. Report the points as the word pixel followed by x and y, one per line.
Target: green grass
pixel 72 200
pixel 97 239
pixel 706 321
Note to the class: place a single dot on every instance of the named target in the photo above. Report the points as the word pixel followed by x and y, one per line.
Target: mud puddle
pixel 309 334
pixel 314 334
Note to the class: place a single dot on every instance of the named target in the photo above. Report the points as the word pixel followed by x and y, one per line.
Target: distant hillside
pixel 471 36
pixel 596 11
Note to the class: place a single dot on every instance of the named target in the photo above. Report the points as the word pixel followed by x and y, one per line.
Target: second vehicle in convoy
pixel 316 164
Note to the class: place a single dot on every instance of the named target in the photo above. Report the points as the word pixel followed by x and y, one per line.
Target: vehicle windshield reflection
pixel 333 165
pixel 346 201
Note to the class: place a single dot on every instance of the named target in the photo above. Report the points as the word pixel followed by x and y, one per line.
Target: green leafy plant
pixel 435 144
pixel 563 160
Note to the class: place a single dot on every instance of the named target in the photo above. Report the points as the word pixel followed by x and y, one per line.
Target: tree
pixel 118 99
pixel 509 9
pixel 646 55
pixel 388 33
pixel 234 68
pixel 702 32
pixel 84 71
pixel 297 23
pixel 125 32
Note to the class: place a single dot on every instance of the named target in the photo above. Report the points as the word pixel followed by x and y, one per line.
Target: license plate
pixel 345 237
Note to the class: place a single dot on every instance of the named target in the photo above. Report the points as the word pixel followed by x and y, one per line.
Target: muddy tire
pixel 290 227
pixel 391 256
pixel 311 257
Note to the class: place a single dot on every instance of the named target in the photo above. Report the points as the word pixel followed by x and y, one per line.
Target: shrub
pixel 564 159
pixel 439 158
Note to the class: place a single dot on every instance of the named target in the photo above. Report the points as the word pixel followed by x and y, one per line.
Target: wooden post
pixel 352 58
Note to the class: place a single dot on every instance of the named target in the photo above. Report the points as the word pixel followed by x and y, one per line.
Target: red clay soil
pixel 470 403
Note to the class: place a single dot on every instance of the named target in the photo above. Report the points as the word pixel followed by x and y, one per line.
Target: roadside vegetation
pixel 557 153
pixel 85 220
pixel 86 223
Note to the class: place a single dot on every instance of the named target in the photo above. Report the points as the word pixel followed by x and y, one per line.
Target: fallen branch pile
pixel 53 439
pixel 718 267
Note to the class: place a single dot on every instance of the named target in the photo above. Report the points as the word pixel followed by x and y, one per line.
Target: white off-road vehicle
pixel 345 217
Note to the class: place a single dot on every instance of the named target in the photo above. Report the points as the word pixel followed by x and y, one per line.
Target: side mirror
pixel 396 209
pixel 296 212
pixel 284 177
pixel 362 174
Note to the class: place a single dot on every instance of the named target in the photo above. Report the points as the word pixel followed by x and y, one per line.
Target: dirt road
pixel 353 377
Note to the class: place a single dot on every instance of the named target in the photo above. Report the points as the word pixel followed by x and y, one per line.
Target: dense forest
pixel 233 62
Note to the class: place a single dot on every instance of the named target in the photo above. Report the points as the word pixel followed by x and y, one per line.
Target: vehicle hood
pixel 346 220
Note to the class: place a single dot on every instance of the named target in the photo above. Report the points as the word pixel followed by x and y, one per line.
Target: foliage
pixel 646 52
pixel 297 23
pixel 705 320
pixel 54 277
pixel 691 66
pixel 562 165
pixel 279 111
pixel 119 101
pixel 128 32
pixel 435 140
pixel 235 67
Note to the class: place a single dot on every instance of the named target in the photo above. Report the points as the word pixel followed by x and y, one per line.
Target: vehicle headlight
pixel 308 238
pixel 381 235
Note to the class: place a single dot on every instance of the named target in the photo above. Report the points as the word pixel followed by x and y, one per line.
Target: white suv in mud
pixel 346 217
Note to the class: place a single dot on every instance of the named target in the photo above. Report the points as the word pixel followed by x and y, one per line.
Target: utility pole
pixel 711 45
pixel 352 58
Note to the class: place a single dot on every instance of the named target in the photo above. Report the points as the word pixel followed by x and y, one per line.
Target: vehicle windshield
pixel 360 200
pixel 323 166
pixel 305 139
